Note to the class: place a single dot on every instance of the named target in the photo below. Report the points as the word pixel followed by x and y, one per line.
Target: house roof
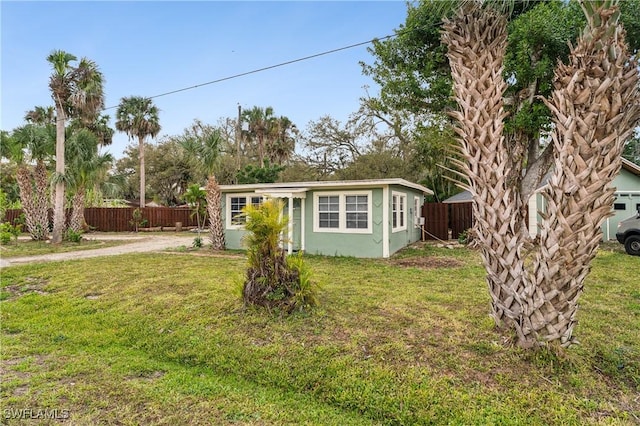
pixel 334 184
pixel 465 196
pixel 631 167
pixel 462 197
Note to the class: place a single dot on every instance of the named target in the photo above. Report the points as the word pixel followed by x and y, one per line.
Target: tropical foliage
pixel 196 198
pixel 594 107
pixel 87 168
pixel 139 118
pixel 77 92
pixel 27 144
pixel 203 144
pixel 273 280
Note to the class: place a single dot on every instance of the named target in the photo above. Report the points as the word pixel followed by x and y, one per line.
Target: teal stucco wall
pixel 402 238
pixel 345 244
pixel 367 244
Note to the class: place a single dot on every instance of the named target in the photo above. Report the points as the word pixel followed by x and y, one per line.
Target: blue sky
pixel 147 48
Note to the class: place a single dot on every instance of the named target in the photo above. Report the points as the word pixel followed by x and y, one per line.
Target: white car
pixel 629 234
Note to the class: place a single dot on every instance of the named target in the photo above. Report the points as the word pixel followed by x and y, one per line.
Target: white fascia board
pixel 338 184
pixel 277 193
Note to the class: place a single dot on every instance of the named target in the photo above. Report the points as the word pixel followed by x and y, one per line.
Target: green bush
pixel 8 231
pixel 306 295
pixel 274 280
pixel 197 242
pixel 5 238
pixel 73 236
pixel 465 237
pixel 137 221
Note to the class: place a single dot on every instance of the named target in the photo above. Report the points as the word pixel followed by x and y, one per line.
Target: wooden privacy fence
pixel 439 218
pixel 118 219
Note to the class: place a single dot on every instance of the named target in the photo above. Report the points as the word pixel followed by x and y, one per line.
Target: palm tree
pixel 77 92
pixel 261 123
pixel 138 117
pixel 32 143
pixel 203 143
pixel 99 127
pixel 197 200
pixel 476 39
pixel 595 106
pixel 41 115
pixel 281 141
pixel 86 168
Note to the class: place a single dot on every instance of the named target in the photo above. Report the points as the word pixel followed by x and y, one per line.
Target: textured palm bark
pixel 214 208
pixel 76 221
pixel 59 218
pixel 23 178
pixel 595 106
pixel 41 200
pixel 476 41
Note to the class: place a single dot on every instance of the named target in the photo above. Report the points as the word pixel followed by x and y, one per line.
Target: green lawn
pixel 164 339
pixel 33 248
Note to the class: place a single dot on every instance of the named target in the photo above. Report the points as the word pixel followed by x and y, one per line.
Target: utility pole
pixel 238 135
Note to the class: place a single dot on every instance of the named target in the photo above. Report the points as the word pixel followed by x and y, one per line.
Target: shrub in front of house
pixel 274 280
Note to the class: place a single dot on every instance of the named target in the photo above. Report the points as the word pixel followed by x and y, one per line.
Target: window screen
pixel 356 208
pixel 329 211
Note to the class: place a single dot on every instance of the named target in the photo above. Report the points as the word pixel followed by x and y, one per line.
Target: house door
pixel 297 224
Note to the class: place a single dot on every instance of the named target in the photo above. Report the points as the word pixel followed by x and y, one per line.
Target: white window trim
pixel 248 196
pixel 417 213
pixel 403 212
pixel 342 213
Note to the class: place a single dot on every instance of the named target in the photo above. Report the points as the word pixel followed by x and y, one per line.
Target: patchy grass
pixel 33 248
pixel 164 339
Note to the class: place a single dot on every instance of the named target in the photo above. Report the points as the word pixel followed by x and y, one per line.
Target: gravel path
pixel 138 244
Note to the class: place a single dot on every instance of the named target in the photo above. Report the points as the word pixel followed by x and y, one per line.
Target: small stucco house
pixel 627 184
pixel 363 218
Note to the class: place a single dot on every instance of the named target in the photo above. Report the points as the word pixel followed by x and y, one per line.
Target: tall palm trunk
pixel 476 41
pixel 214 208
pixel 143 181
pixel 595 105
pixel 76 222
pixel 58 206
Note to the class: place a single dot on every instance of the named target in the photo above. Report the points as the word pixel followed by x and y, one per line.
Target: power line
pixel 305 58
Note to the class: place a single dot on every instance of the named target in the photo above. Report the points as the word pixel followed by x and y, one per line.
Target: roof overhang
pixel 631 167
pixel 294 187
pixel 283 193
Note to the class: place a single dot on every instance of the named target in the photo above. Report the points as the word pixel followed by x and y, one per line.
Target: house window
pixel 357 211
pixel 398 211
pixel 417 214
pixel 345 213
pixel 619 206
pixel 329 212
pixel 235 203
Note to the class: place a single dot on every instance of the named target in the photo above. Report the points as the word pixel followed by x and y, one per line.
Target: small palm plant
pixel 196 197
pixel 273 280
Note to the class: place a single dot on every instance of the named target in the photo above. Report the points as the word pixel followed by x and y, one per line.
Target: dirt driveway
pixel 137 244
